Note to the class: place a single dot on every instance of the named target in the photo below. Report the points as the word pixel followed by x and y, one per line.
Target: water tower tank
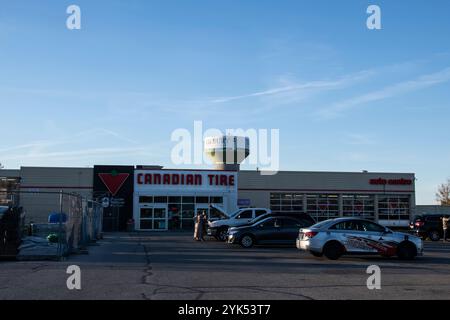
pixel 227 152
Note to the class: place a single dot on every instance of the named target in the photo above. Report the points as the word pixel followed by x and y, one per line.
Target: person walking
pixel 445 221
pixel 201 226
pixel 205 225
pixel 197 219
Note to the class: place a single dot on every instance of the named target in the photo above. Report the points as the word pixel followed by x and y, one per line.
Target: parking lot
pixel 158 266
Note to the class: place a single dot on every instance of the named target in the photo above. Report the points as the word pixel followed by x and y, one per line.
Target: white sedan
pixel 336 237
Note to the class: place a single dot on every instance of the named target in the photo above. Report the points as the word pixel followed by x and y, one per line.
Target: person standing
pixel 197 219
pixel 205 225
pixel 445 221
pixel 201 226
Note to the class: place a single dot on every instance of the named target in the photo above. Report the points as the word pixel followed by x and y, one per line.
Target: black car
pixel 296 215
pixel 428 226
pixel 275 229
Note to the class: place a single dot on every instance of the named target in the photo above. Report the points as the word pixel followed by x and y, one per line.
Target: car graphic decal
pixel 388 248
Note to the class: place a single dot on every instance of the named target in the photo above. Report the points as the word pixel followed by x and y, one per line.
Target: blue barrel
pixel 57 217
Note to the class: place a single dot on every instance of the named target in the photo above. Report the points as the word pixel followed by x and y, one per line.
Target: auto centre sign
pixel 185 180
pixel 396 182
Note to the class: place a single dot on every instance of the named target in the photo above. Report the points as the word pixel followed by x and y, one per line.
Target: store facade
pixel 163 199
pixel 388 198
pixel 169 199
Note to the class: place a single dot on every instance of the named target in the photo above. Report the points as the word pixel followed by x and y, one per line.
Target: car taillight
pixel 419 224
pixel 310 234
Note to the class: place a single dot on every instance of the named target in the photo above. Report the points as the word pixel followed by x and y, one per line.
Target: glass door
pixel 153 217
pixel 160 218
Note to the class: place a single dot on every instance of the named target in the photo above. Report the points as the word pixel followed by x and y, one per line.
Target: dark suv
pixel 428 226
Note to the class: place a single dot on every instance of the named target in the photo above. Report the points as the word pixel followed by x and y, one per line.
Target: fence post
pixel 60 243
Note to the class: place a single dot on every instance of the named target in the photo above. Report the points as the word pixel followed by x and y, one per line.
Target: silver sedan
pixel 335 237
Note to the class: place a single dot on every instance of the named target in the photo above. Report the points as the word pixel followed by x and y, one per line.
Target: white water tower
pixel 227 152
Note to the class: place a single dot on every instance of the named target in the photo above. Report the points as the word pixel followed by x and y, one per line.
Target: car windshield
pixel 258 219
pixel 3 210
pixel 234 214
pixel 262 221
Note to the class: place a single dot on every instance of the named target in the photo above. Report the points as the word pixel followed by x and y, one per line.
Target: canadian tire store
pixel 163 199
pixel 169 199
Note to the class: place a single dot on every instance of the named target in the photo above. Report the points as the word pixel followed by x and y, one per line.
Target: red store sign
pixel 184 179
pixel 381 181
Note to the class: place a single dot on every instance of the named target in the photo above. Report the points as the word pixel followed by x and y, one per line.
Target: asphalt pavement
pixel 161 266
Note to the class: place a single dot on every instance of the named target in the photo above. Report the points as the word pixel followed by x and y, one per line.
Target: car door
pixel 355 237
pixel 369 238
pixel 266 231
pixel 380 239
pixel 289 230
pixel 243 218
pixel 347 233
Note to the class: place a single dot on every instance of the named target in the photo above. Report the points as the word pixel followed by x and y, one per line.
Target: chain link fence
pixel 56 223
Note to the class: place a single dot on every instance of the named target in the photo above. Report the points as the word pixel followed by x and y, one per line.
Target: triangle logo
pixel 114 180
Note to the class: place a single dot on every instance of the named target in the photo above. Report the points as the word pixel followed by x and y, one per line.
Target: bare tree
pixel 443 194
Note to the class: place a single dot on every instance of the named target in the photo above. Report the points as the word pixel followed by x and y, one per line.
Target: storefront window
pixel 160 199
pixel 202 200
pixel 146 213
pixel 146 224
pixel 393 208
pixel 188 199
pixel 146 199
pixel 174 216
pixel 361 206
pixel 323 206
pixel 180 210
pixel 286 202
pixel 216 200
pixel 187 216
pixel 174 199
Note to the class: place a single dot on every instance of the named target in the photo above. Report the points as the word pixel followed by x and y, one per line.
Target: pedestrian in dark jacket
pixel 205 224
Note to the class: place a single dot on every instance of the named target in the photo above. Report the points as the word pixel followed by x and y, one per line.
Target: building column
pixel 341 205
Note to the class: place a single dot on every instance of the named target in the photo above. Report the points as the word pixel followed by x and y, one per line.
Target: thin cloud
pixel 62 148
pixel 81 153
pixel 70 139
pixel 323 85
pixel 422 82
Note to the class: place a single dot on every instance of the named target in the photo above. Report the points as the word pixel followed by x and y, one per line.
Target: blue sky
pixel 345 98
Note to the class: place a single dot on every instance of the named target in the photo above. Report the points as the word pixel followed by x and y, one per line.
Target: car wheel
pixel 434 235
pixel 247 241
pixel 406 251
pixel 316 254
pixel 222 234
pixel 333 250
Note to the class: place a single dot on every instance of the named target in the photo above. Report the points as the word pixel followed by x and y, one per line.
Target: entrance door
pixel 153 218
